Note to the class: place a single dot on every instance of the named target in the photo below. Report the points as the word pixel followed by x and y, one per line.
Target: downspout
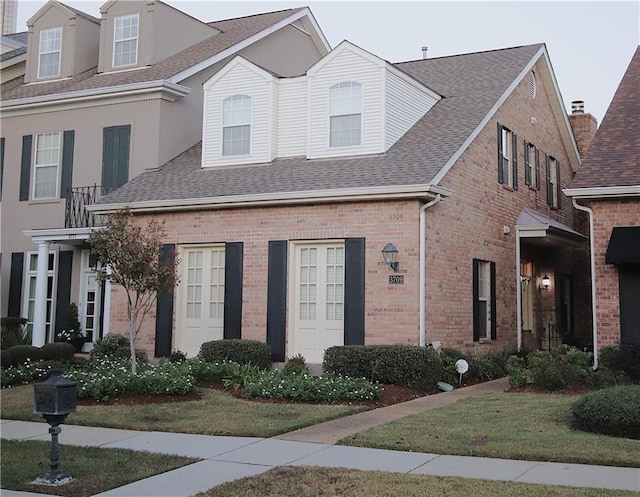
pixel 593 279
pixel 423 268
pixel 518 292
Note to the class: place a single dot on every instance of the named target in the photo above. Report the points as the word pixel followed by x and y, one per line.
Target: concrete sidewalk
pixel 229 458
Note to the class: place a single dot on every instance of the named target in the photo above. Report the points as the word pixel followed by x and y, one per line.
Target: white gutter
pixel 604 191
pixel 423 268
pixel 518 292
pixel 593 280
pixel 280 198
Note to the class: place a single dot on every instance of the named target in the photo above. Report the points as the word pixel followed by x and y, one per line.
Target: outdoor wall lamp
pixel 545 283
pixel 390 255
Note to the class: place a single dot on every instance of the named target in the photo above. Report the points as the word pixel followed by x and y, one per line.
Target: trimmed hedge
pixel 19 354
pixel 58 351
pixel 237 350
pixel 405 365
pixel 613 411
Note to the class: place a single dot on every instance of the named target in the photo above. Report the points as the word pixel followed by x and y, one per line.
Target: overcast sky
pixel 590 43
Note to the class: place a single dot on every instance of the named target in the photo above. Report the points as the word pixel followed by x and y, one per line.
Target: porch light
pixel 545 283
pixel 55 399
pixel 390 255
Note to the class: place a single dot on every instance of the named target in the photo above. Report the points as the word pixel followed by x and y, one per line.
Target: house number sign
pixel 396 279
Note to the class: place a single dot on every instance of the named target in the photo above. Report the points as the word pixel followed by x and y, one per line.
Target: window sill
pixel 46 201
pixel 508 187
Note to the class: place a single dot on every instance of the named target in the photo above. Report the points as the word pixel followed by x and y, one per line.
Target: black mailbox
pixel 56 396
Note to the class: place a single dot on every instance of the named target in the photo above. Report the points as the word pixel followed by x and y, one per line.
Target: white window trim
pixel 41 53
pixel 530 163
pixel 37 166
pixel 553 181
pixel 507 154
pixel 116 41
pixel 330 115
pixel 239 124
pixel 27 278
pixel 484 294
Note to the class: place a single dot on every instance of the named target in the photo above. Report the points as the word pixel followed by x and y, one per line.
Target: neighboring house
pixel 281 215
pixel 13 57
pixel 608 188
pixel 101 101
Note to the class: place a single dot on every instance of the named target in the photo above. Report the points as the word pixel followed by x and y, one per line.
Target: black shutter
pixel 500 157
pixel 549 185
pixel 25 167
pixel 527 163
pixel 63 294
pixel 15 284
pixel 559 188
pixel 354 287
pixel 115 156
pixel 476 301
pixel 277 299
pixel 164 309
pixel 492 269
pixel 514 160
pixel 67 163
pixel 233 290
pixel 1 164
pixel 537 169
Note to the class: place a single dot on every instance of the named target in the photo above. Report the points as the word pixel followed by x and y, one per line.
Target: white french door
pixel 90 297
pixel 200 298
pixel 318 307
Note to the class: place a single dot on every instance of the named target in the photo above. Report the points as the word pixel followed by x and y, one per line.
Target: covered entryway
pixel 318 299
pixel 201 297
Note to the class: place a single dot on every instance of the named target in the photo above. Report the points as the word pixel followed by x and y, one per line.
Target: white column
pixel 39 331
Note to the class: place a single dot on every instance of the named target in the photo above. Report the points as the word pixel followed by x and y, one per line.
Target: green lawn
pixel 218 413
pixel 315 482
pixel 511 426
pixel 93 470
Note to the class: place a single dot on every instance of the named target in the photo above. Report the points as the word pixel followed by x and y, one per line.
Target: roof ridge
pixel 292 9
pixel 80 12
pixel 478 52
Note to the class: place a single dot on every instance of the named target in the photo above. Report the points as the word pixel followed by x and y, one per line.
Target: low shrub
pixel 5 359
pixel 240 375
pixel 630 357
pixel 115 345
pixel 209 371
pixel 25 373
pixel 613 411
pixel 606 378
pixel 405 365
pixel 518 377
pixel 558 368
pixel 481 368
pixel 516 362
pixel 177 356
pixel 58 351
pixel 13 331
pixel 237 350
pixel 609 357
pixel 20 354
pixel 296 365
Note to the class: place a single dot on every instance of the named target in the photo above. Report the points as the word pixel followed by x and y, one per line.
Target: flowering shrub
pixel 210 371
pixel 27 371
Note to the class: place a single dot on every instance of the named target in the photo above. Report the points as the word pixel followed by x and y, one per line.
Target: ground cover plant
pixel 94 470
pixel 314 482
pixel 510 426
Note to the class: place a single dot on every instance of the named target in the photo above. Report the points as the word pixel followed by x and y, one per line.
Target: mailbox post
pixel 55 399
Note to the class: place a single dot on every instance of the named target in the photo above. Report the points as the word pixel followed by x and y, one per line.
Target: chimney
pixel 584 127
pixel 424 52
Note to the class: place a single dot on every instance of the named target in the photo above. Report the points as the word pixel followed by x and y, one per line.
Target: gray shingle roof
pixel 613 158
pixel 18 39
pixel 471 85
pixel 233 31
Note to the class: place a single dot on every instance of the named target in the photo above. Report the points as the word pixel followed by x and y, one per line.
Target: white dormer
pixel 239 115
pixel 349 103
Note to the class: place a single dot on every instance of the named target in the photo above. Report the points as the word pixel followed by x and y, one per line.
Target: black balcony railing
pixel 76 215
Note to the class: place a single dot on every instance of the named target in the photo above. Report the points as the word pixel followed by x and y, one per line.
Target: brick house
pixel 281 214
pixel 607 187
pixel 98 101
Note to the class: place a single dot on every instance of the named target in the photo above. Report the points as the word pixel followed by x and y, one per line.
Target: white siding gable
pixel 239 77
pixel 292 117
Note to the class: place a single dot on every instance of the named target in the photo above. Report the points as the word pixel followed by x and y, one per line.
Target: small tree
pixel 130 254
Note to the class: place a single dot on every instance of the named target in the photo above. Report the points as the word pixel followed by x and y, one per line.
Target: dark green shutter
pixel 476 301
pixel 233 290
pixel 25 167
pixel 164 309
pixel 67 163
pixel 277 299
pixel 559 188
pixel 549 185
pixel 537 169
pixel 15 284
pixel 1 164
pixel 492 269
pixel 527 163
pixel 354 288
pixel 115 156
pixel 500 157
pixel 63 294
pixel 514 159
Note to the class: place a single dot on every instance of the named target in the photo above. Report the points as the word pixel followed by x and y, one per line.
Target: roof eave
pixel 603 192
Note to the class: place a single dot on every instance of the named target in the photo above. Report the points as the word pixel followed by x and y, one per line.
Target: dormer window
pixel 49 54
pixel 236 125
pixel 125 40
pixel 345 114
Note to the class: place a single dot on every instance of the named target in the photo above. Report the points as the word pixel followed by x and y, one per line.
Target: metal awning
pixel 538 229
pixel 624 245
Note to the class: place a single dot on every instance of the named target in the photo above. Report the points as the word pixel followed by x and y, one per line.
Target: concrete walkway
pixel 228 458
